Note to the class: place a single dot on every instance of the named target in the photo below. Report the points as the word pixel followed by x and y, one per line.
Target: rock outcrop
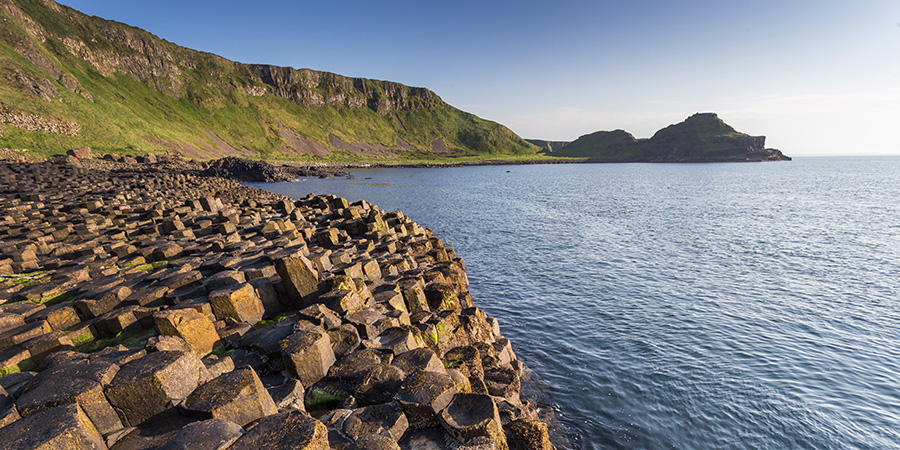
pixel 148 307
pixel 702 137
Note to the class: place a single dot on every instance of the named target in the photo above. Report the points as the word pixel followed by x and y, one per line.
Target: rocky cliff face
pixel 312 88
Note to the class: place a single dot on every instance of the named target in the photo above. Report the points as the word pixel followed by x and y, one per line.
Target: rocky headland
pixel 147 305
pixel 702 137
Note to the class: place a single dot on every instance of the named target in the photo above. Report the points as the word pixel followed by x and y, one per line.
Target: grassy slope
pixel 211 96
pixel 600 145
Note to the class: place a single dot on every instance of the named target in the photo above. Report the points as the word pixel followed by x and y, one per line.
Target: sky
pixel 816 77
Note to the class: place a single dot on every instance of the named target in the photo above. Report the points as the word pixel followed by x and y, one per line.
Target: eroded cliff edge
pixel 146 307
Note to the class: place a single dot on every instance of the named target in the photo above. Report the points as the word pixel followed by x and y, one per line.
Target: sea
pixel 680 306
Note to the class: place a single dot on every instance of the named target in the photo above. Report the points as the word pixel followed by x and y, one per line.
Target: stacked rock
pixel 157 309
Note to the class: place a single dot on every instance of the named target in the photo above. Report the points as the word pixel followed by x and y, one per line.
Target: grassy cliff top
pixel 69 80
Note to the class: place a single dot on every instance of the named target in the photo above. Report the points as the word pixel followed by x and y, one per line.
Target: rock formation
pixel 702 137
pixel 143 306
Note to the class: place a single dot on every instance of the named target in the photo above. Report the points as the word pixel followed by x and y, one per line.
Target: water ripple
pixel 708 306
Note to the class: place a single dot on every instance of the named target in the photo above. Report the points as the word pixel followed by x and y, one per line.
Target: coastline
pixel 115 275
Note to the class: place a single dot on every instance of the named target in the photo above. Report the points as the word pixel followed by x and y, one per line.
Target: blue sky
pixel 815 77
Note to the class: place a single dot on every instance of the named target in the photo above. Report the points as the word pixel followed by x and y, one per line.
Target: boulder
pixel 189 324
pixel 54 388
pixel 396 340
pixel 344 339
pixel 419 359
pixel 144 387
pixel 293 429
pixel 80 152
pixel 423 395
pixel 378 384
pixel 351 367
pixel 62 427
pixel 528 435
pixel 307 355
pixel 386 419
pixel 238 302
pixel 212 434
pixel 474 419
pixel 237 396
pixel 289 395
pixel 300 278
pixel 321 316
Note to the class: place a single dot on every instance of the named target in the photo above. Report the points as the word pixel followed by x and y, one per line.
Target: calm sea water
pixel 694 306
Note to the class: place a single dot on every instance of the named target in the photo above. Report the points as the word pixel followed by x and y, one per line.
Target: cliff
pixel 702 137
pixel 68 80
pixel 547 146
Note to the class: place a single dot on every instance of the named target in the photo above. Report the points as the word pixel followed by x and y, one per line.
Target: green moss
pixel 154 265
pixel 28 279
pixel 130 340
pixel 62 297
pixel 220 352
pixel 23 366
pixel 82 339
pixel 270 322
pixel 321 399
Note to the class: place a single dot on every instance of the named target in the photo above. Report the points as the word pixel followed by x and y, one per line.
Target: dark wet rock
pixel 247 170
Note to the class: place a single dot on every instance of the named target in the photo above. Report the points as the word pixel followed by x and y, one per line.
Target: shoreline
pixel 335 319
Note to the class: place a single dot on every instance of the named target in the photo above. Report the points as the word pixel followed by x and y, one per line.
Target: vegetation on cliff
pixel 70 80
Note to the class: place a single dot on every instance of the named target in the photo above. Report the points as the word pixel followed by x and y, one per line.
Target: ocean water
pixel 689 306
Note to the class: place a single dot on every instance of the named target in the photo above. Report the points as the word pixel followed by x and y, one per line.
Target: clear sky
pixel 816 77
